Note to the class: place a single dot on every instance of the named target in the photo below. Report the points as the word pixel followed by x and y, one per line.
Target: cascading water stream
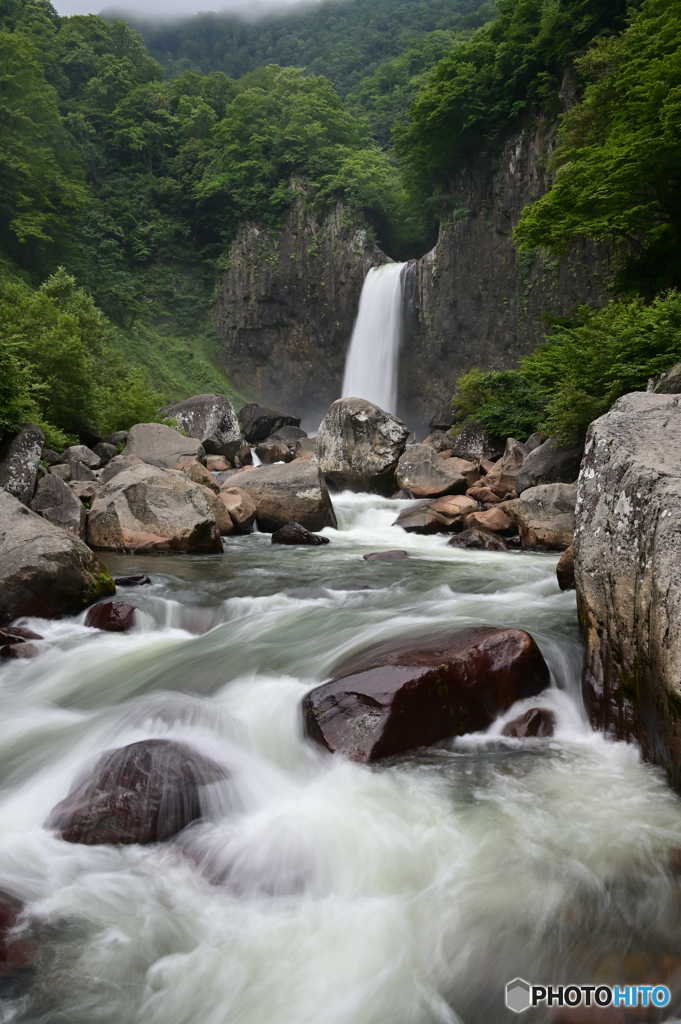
pixel 372 361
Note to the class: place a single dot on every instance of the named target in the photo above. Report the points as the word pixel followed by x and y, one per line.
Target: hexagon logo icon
pixel 518 995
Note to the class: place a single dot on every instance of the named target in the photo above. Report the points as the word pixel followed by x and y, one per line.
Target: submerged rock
pixel 139 580
pixel 287 493
pixel 294 533
pixel 146 792
pixel 359 445
pixel 424 475
pixel 536 722
pixel 403 694
pixel 386 556
pixel 17 635
pixel 17 952
pixel 210 419
pixel 479 539
pixel 19 461
pixel 111 616
pixel 19 651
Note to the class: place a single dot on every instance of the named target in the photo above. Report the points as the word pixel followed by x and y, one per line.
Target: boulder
pixel 289 435
pixel 89 434
pixel 478 539
pixel 18 950
pixel 85 490
pixel 145 508
pixel 304 448
pixel 17 635
pixel 510 509
pixel 443 419
pixel 240 506
pixel 493 520
pixel 118 465
pixel 549 463
pixel 468 470
pixel 161 446
pixel 138 580
pixel 56 502
pixel 294 533
pixel 111 616
pixel 217 464
pixel 270 452
pixel 484 494
pixel 19 461
pixel 219 510
pixel 440 441
pixel 44 570
pixel 19 651
pixel 79 471
pixel 534 440
pixel 386 556
pixel 199 474
pixel 146 792
pixel 259 423
pixel 424 521
pixel 565 570
pixel 409 693
pixel 627 554
pixel 106 452
pixel 210 419
pixel 501 478
pixel 453 505
pixel 546 516
pixel 118 438
pixel 423 474
pixel 667 383
pixel 538 722
pixel 80 453
pixel 287 493
pixel 62 471
pixel 359 445
pixel 474 444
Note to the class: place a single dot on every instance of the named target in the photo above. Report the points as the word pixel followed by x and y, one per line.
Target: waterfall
pixel 372 360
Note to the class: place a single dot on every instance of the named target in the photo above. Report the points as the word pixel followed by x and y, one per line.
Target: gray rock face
pixel 210 419
pixel 118 437
pixel 425 475
pixel 546 516
pixel 161 446
pixel 81 453
pixel 105 451
pixel 56 502
pixel 627 558
pixel 19 461
pixel 503 476
pixel 474 444
pixel 259 423
pixel 44 570
pixel 287 493
pixel 146 508
pixel 550 463
pixel 359 445
pixel 62 470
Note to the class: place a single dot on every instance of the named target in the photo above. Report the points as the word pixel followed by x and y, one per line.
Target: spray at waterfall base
pixel 520 995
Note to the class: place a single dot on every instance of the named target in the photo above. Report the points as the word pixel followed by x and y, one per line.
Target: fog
pixel 163 10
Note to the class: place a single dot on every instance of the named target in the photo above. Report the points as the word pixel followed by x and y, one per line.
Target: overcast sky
pixel 170 8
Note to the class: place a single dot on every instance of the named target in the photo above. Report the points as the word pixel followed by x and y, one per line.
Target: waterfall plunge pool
pixel 316 889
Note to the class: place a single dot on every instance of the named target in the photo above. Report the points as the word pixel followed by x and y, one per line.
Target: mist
pixel 172 10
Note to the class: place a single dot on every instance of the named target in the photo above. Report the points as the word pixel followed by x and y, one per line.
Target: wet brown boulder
pixel 19 652
pixel 424 475
pixel 17 635
pixel 403 694
pixel 112 616
pixel 294 533
pixel 138 580
pixel 386 556
pixel 240 506
pixel 492 519
pixel 217 464
pixel 270 452
pixel 565 570
pixel 538 722
pixel 146 792
pixel 293 492
pixel 17 952
pixel 478 539
pixel 484 494
pixel 468 470
pixel 423 520
pixel 199 474
pixel 501 477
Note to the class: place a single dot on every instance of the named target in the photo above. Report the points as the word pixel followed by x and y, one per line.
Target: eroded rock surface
pixel 359 445
pixel 210 419
pixel 287 493
pixel 549 463
pixel 19 461
pixel 56 501
pixel 295 534
pixel 424 475
pixel 546 516
pixel 259 423
pixel 161 446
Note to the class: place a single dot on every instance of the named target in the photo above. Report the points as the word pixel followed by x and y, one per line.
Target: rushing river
pixel 318 891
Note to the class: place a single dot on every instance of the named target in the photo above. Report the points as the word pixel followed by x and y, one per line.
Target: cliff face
pixel 476 299
pixel 285 309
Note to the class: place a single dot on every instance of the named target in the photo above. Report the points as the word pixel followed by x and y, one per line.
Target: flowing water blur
pixel 316 889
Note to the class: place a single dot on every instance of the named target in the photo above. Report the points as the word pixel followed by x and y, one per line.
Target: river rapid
pixel 315 889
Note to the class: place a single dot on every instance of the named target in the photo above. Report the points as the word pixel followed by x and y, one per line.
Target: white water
pixel 371 364
pixel 318 890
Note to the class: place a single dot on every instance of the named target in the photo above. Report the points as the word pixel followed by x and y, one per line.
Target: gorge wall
pixel 285 308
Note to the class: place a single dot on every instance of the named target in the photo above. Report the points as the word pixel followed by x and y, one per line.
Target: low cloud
pixel 174 10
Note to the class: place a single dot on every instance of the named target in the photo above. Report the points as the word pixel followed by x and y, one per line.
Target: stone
pixel 408 693
pixel 295 492
pixel 161 446
pixel 538 722
pixel 447 454
pixel 18 952
pixel 510 509
pixel 62 470
pixel 667 383
pixel 424 521
pixel 289 435
pixel 546 516
pixel 386 556
pixel 484 494
pixel 468 470
pixel 19 651
pixel 85 490
pixel 119 437
pixel 550 463
pixel 305 448
pixel 199 474
pixel 111 616
pixel 440 441
pixel 534 440
pixel 565 570
pixel 259 423
pixel 443 419
pixel 81 472
pixel 219 510
pixel 56 502
pixel 423 474
pixel 89 434
pixel 118 465
pixel 105 451
pixel 359 445
pixel 453 505
pixel 146 508
pixel 493 520
pixel 51 457
pixel 240 506
pixel 294 533
pixel 217 464
pixel 474 444
pixel 44 570
pixel 478 539
pixel 17 635
pixel 501 478
pixel 270 452
pixel 19 461
pixel 146 792
pixel 80 453
pixel 138 580
pixel 210 419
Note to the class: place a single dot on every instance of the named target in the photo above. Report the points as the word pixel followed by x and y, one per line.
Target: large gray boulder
pixel 258 423
pixel 474 444
pixel 424 474
pixel 162 446
pixel 55 501
pixel 546 516
pixel 503 476
pixel 146 508
pixel 210 419
pixel 359 445
pixel 550 463
pixel 293 492
pixel 44 570
pixel 19 461
pixel 81 454
pixel 627 558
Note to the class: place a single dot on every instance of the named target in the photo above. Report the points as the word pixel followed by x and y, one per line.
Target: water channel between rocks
pixel 319 890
